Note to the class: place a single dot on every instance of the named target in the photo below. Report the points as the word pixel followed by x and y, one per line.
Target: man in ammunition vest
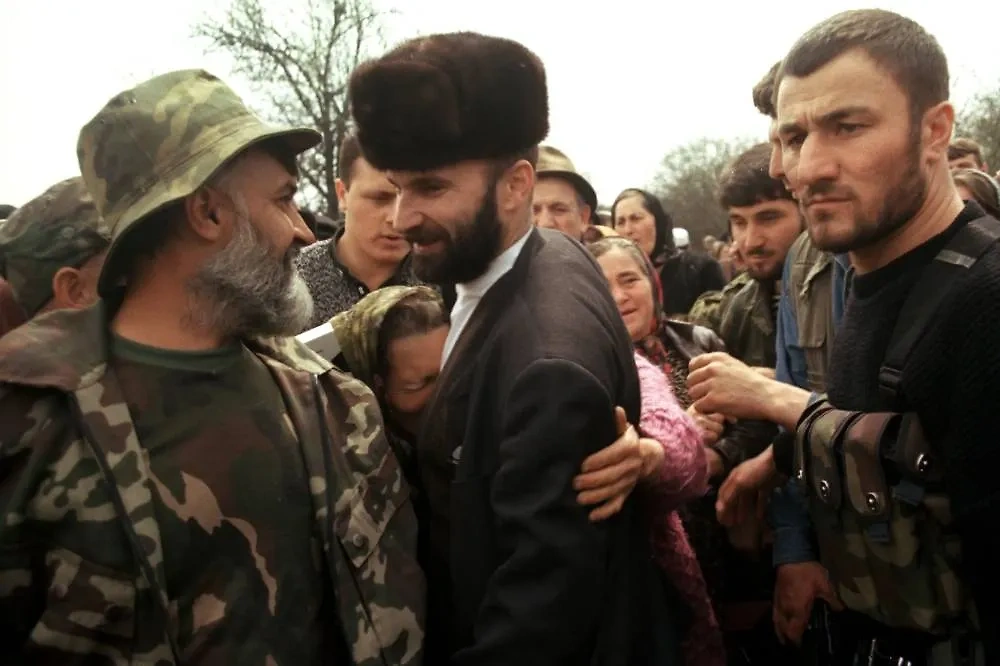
pixel 899 462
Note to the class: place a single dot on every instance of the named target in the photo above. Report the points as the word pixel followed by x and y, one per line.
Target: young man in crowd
pixel 366 252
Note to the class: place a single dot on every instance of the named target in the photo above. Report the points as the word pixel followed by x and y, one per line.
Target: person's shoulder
pixel 975 293
pixel 30 417
pixel 315 259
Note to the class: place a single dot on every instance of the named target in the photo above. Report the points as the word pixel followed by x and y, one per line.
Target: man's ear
pixel 517 186
pixel 341 190
pixel 938 123
pixel 68 290
pixel 207 215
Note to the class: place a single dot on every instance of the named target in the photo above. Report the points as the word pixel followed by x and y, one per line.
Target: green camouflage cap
pixel 163 139
pixel 59 229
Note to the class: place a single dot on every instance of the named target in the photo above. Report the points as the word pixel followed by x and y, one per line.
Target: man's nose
pixel 543 218
pixel 814 163
pixel 404 215
pixel 300 230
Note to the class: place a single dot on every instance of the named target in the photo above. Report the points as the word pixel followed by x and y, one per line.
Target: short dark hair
pixel 350 152
pixel 911 55
pixel 745 180
pixel 418 313
pixel 763 92
pixel 963 147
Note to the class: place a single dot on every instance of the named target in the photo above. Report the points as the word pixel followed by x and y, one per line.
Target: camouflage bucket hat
pixel 159 142
pixel 58 229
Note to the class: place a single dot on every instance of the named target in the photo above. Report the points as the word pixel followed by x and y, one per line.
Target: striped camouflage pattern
pixel 59 228
pixel 159 142
pixel 81 558
pixel 890 547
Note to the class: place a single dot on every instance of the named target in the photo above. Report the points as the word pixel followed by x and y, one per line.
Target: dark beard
pixel 900 205
pixel 467 252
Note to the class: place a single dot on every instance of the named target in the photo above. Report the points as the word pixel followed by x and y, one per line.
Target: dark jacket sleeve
pixel 545 597
pixel 744 439
pixel 710 275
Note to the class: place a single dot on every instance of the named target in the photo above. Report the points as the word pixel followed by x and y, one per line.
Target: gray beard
pixel 245 291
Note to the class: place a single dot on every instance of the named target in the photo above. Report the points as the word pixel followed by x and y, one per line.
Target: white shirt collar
pixel 499 267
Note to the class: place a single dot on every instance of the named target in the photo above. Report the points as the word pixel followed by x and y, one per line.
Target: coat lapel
pixel 454 374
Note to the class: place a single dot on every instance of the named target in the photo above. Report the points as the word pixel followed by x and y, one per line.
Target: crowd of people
pixel 541 436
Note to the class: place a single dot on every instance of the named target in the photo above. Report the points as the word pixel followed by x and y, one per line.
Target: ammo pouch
pixel 882 520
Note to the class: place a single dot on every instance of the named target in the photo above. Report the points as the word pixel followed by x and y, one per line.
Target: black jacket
pixel 518 575
pixel 686 276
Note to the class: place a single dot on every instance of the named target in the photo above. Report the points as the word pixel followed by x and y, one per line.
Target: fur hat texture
pixel 442 99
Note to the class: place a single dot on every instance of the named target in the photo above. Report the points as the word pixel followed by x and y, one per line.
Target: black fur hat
pixel 442 99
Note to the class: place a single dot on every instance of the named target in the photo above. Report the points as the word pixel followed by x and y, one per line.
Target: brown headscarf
pixel 357 329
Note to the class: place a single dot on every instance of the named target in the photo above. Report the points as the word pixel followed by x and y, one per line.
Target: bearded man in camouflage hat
pixel 52 249
pixel 180 483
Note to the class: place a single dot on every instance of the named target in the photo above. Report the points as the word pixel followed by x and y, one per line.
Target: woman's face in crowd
pixel 636 223
pixel 632 291
pixel 414 363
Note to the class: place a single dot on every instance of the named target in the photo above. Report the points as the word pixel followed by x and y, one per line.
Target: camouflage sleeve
pixel 705 311
pixel 29 428
pixel 380 586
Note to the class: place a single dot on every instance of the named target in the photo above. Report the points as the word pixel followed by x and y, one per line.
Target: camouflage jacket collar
pixel 68 350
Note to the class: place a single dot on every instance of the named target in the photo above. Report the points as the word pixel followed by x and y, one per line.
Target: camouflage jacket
pixel 707 310
pixel 741 315
pixel 810 290
pixel 81 560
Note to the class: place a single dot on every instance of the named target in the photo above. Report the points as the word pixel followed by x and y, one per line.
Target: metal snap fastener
pixel 871 499
pixel 824 489
pixel 358 540
pixel 923 463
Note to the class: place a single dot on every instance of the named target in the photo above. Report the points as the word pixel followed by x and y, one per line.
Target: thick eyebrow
pixel 429 182
pixel 825 120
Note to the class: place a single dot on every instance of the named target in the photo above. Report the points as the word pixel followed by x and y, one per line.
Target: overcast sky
pixel 628 79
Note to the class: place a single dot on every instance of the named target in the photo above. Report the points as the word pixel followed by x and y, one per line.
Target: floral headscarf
pixel 357 329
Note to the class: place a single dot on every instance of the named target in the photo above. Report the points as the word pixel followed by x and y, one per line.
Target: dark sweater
pixel 952 380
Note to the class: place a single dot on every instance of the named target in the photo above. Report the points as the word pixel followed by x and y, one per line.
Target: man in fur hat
pixel 536 359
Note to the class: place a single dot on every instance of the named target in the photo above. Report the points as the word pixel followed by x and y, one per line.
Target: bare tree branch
pixel 979 120
pixel 299 61
pixel 687 182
